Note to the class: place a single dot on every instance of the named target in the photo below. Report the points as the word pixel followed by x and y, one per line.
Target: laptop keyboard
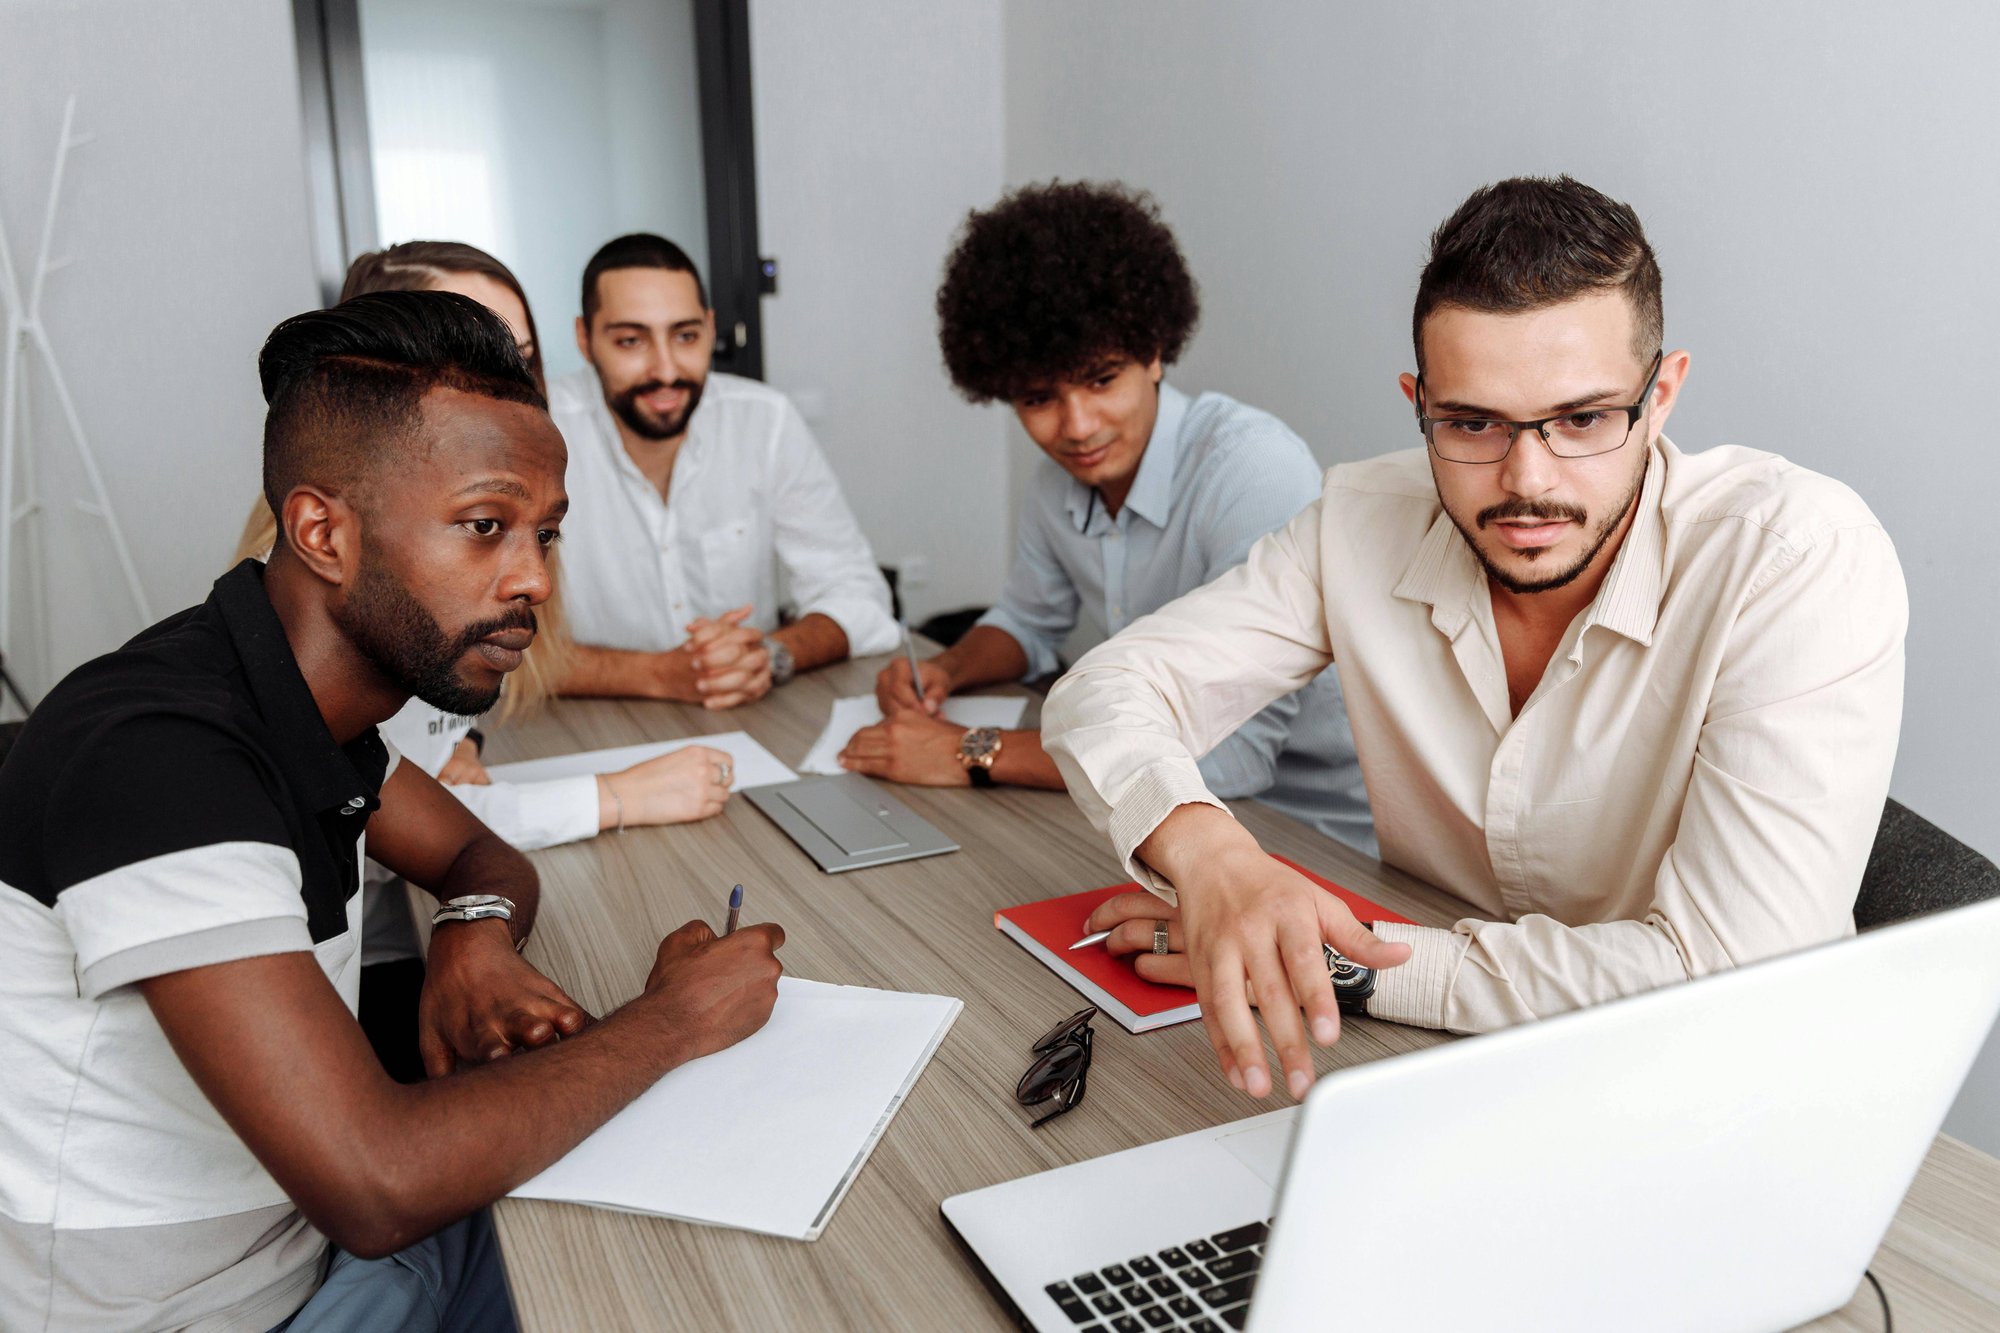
pixel 1199 1286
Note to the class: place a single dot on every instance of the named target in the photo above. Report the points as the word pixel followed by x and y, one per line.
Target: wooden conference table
pixel 887 1260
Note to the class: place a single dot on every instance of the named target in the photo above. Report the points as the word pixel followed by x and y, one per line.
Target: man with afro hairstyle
pixel 1067 301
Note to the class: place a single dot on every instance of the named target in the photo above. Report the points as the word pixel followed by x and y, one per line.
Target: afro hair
pixel 1054 277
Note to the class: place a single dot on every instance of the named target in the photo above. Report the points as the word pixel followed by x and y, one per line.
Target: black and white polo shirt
pixel 177 803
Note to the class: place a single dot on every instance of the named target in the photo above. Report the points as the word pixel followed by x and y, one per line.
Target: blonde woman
pixel 687 785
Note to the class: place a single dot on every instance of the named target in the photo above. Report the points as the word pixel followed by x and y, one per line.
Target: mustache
pixel 654 386
pixel 1546 510
pixel 524 618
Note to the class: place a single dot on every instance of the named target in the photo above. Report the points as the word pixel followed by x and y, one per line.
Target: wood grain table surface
pixel 887 1260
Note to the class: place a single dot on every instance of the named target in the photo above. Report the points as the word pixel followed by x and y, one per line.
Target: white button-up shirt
pixel 1694 784
pixel 751 502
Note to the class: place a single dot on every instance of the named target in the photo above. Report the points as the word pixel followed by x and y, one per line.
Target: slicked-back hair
pixel 641 249
pixel 1053 278
pixel 345 385
pixel 418 265
pixel 1531 242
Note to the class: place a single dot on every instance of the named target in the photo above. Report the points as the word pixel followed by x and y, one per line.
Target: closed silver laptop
pixel 848 822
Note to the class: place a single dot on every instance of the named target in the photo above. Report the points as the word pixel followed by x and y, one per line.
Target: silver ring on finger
pixel 1160 937
pixel 723 774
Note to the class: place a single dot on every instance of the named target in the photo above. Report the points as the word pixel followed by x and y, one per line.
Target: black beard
pixel 641 423
pixel 392 630
pixel 1530 509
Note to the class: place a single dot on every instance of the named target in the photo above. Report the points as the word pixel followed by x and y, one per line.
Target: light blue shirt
pixel 1215 477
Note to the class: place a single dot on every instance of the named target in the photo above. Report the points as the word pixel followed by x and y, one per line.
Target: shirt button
pixel 355 805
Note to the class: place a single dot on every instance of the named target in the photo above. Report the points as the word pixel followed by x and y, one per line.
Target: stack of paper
pixel 851 715
pixel 755 765
pixel 768 1134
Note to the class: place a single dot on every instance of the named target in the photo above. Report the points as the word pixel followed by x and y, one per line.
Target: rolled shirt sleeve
pixel 827 561
pixel 1790 775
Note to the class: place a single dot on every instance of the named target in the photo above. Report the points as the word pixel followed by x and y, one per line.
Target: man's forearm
pixel 489 865
pixel 814 640
pixel 616 673
pixel 986 656
pixel 1022 762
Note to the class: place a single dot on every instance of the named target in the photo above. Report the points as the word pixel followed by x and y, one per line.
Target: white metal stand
pixel 25 334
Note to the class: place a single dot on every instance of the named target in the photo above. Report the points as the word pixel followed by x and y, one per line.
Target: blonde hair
pixel 415 266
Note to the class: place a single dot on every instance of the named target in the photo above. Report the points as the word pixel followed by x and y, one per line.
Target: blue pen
pixel 910 650
pixel 735 908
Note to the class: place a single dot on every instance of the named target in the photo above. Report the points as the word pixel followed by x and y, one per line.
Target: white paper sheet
pixel 852 714
pixel 768 1134
pixel 755 765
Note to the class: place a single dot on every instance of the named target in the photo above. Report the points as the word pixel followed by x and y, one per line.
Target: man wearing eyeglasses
pixel 1637 706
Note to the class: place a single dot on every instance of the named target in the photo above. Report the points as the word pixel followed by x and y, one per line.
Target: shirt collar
pixel 325 774
pixel 1446 575
pixel 1152 493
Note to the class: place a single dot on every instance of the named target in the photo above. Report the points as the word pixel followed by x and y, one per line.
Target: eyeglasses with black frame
pixel 1061 1067
pixel 1579 432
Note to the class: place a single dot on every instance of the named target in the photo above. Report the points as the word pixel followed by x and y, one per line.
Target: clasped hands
pixel 723 664
pixel 911 743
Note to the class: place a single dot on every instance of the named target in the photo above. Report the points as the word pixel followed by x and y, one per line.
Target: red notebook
pixel 1046 929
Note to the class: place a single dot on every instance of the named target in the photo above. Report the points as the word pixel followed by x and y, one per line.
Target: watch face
pixel 480 900
pixel 980 743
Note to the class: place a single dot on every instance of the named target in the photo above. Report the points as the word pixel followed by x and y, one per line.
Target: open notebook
pixel 768 1134
pixel 1046 929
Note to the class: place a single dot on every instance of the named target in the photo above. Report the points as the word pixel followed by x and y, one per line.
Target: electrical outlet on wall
pixel 913 571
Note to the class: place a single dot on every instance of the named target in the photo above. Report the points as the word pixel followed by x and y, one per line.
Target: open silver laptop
pixel 1723 1154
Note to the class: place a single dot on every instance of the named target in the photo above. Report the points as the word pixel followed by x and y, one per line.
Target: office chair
pixel 1917 867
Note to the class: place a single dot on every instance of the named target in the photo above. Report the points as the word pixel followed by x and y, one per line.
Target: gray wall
pixel 1817 180
pixel 185 218
pixel 878 126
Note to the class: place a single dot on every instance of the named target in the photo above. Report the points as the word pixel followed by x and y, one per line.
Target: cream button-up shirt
pixel 1695 783
pixel 753 515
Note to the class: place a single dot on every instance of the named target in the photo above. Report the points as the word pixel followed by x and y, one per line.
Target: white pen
pixel 1089 940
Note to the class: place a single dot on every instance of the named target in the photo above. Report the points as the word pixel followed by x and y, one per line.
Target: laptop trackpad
pixel 853 827
pixel 1262 1148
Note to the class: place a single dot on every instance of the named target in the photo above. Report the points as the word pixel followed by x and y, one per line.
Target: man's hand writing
pixel 895 694
pixel 719 990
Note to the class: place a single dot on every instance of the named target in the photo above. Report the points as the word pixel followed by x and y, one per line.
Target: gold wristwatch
pixel 977 750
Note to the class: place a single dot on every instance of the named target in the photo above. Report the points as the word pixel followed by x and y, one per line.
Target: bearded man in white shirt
pixel 699 499
pixel 1638 707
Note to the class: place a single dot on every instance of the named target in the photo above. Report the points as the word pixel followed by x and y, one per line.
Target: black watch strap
pixel 981 775
pixel 1352 983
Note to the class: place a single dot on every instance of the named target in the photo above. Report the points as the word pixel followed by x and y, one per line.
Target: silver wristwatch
pixel 474 907
pixel 783 665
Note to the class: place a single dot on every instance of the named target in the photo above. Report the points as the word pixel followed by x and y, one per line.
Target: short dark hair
pixel 415 265
pixel 641 249
pixel 346 383
pixel 1531 242
pixel 1054 276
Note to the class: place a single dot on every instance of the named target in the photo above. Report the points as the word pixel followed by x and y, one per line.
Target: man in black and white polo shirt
pixel 190 1112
